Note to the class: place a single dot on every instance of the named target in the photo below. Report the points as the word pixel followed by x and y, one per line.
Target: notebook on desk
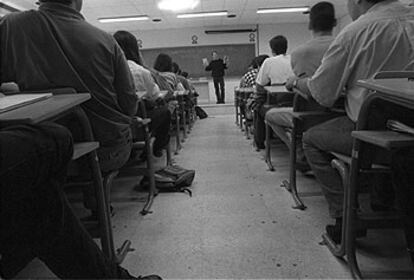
pixel 11 102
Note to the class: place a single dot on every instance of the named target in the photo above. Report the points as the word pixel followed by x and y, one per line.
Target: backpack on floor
pixel 200 112
pixel 173 179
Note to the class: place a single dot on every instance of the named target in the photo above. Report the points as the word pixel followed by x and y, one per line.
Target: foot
pixel 335 233
pixel 149 277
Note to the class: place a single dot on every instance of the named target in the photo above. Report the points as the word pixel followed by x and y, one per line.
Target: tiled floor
pixel 239 222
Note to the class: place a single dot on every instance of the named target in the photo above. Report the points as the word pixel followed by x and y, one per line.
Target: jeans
pixel 219 89
pixel 35 217
pixel 331 136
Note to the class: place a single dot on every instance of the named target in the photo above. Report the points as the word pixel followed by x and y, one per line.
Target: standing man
pixel 217 67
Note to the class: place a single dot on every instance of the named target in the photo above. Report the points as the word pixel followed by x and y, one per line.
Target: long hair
pixel 129 46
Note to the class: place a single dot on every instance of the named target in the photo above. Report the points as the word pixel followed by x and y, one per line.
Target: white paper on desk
pixel 10 102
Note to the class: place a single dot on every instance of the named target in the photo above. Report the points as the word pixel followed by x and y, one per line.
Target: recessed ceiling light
pixel 204 14
pixel 124 18
pixel 283 10
pixel 178 5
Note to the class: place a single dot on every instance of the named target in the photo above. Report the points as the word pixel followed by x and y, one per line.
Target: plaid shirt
pixel 249 79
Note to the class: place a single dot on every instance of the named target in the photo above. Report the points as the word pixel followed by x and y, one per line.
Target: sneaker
pixel 149 277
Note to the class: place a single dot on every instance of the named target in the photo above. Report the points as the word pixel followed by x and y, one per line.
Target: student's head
pixel 322 17
pixel 214 55
pixel 279 45
pixel 129 46
pixel 163 63
pixel 258 61
pixel 356 8
pixel 76 4
pixel 176 68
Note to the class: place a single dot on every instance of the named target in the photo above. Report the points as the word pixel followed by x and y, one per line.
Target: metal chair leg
pixel 151 173
pixel 268 158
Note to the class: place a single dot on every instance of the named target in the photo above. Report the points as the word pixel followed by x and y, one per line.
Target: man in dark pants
pixel 217 67
pixel 35 217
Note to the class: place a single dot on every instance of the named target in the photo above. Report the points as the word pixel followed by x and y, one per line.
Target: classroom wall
pixel 296 33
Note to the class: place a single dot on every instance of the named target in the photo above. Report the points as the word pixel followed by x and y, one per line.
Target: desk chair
pixel 101 228
pixel 306 113
pixel 370 137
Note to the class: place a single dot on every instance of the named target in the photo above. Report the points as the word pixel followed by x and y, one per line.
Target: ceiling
pixel 245 11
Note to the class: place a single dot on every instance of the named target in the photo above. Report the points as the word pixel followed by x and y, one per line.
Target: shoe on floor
pixel 335 232
pixel 149 277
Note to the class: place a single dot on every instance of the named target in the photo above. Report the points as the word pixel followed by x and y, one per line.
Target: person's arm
pixel 209 66
pixel 124 84
pixel 152 88
pixel 226 62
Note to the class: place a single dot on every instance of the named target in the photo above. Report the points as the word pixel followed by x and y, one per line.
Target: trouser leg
pixel 403 178
pixel 160 126
pixel 222 90
pixel 279 120
pixel 331 136
pixel 217 89
pixel 41 223
pixel 260 128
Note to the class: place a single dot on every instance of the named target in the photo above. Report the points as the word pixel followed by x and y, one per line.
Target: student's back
pixel 56 47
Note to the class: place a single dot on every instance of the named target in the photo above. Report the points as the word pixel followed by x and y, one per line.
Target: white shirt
pixel 380 40
pixel 275 70
pixel 143 80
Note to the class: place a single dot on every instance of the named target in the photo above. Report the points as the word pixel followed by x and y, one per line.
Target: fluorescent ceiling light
pixel 178 5
pixel 283 10
pixel 121 19
pixel 205 14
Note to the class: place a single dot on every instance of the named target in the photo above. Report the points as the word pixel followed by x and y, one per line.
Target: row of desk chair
pixel 241 96
pixel 351 169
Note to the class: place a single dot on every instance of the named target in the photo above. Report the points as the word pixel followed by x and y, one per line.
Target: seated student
pixel 44 42
pixel 249 79
pixel 275 70
pixel 160 116
pixel 46 49
pixel 378 40
pixel 164 76
pixel 35 217
pixel 177 71
pixel 305 60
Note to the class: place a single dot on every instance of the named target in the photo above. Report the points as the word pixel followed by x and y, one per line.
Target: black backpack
pixel 200 113
pixel 173 179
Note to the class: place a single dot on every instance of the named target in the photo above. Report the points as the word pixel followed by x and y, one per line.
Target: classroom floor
pixel 239 223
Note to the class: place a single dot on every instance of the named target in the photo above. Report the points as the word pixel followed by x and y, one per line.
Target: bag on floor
pixel 173 179
pixel 200 112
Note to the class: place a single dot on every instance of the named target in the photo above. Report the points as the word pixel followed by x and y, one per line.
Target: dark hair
pixel 176 68
pixel 184 74
pixel 66 2
pixel 129 46
pixel 279 45
pixel 260 59
pixel 322 17
pixel 163 63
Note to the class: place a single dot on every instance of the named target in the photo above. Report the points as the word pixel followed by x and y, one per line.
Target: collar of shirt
pixel 61 10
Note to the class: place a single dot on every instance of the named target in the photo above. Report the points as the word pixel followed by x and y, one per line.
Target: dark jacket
pixel 55 47
pixel 217 68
